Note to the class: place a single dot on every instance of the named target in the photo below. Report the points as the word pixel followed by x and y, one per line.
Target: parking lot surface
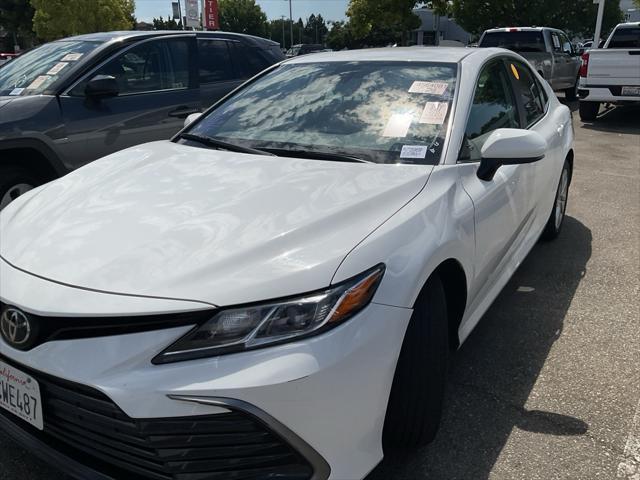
pixel 548 385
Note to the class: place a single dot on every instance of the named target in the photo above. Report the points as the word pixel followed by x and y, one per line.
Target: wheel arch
pixel 33 154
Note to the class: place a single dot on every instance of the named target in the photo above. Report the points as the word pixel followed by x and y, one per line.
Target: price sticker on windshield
pixel 16 91
pixel 436 88
pixel 57 68
pixel 434 113
pixel 37 83
pixel 413 151
pixel 71 57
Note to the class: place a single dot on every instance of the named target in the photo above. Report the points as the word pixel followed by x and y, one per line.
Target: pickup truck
pixel 611 74
pixel 548 50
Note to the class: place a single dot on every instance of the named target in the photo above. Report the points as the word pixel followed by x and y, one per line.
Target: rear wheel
pixel 415 402
pixel 554 224
pixel 571 93
pixel 14 181
pixel 589 110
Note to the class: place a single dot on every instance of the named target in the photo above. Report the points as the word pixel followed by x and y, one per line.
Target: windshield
pixel 625 37
pixel 33 72
pixel 383 112
pixel 517 41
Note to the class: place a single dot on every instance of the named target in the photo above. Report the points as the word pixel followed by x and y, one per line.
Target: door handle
pixel 183 112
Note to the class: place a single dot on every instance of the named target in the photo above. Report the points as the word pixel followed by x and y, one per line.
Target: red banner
pixel 211 15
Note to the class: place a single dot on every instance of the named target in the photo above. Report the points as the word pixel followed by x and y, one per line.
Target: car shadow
pixel 493 373
pixel 621 119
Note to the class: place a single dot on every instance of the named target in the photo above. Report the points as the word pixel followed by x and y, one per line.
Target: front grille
pixel 87 426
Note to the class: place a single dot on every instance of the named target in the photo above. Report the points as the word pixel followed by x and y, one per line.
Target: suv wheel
pixel 589 111
pixel 415 402
pixel 14 181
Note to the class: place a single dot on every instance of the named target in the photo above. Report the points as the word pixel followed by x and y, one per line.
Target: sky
pixel 329 9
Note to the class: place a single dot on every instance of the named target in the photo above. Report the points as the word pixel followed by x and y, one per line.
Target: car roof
pixel 133 34
pixel 520 29
pixel 421 54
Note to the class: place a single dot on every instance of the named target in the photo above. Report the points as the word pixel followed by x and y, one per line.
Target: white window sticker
pixel 398 125
pixel 38 82
pixel 437 88
pixel 56 68
pixel 434 113
pixel 71 57
pixel 556 41
pixel 413 151
pixel 16 91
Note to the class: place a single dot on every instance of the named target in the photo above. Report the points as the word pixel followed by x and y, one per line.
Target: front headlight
pixel 254 326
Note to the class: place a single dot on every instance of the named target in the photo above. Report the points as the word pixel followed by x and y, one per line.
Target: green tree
pixel 168 24
pixel 242 16
pixel 315 30
pixel 16 17
pixel 60 18
pixel 382 16
pixel 577 17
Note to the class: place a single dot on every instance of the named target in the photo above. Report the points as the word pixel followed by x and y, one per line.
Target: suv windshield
pixel 33 72
pixel 625 37
pixel 383 112
pixel 519 41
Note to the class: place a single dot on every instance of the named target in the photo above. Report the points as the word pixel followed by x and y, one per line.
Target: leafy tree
pixel 382 16
pixel 16 17
pixel 242 16
pixel 315 30
pixel 577 17
pixel 60 18
pixel 168 24
pixel 342 35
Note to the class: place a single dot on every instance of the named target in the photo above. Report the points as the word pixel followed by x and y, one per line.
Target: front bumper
pixel 329 392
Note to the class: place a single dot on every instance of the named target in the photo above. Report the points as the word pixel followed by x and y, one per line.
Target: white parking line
pixel 629 468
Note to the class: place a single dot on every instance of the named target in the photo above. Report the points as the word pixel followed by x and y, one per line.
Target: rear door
pixel 157 90
pixel 216 71
pixel 560 78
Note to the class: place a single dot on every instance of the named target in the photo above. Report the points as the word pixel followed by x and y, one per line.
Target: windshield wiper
pixel 232 147
pixel 313 154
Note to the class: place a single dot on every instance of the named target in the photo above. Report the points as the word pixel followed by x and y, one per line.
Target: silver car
pixel 548 50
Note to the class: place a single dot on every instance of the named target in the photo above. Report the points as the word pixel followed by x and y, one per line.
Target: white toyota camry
pixel 274 293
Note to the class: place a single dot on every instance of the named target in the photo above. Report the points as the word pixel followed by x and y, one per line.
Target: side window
pixel 566 44
pixel 555 39
pixel 493 107
pixel 214 61
pixel 148 67
pixel 533 98
pixel 249 60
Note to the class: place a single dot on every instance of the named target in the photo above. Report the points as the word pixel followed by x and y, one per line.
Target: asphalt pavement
pixel 548 385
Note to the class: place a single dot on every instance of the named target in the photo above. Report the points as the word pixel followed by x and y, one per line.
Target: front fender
pixel 436 225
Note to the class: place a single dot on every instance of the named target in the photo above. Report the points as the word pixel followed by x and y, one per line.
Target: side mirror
pixel 102 86
pixel 510 146
pixel 191 118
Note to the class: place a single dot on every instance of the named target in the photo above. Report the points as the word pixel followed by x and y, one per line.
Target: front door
pixel 156 93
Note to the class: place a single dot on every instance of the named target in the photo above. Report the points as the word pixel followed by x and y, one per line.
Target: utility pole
pixel 283 43
pixel 180 12
pixel 596 36
pixel 291 22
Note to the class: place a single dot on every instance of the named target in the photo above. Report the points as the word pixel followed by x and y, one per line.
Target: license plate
pixel 20 395
pixel 631 91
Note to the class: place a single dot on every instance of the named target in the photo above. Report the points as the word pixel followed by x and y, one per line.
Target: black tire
pixel 14 181
pixel 415 402
pixel 589 111
pixel 556 219
pixel 571 94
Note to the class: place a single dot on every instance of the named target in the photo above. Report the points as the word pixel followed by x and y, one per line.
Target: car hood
pixel 176 221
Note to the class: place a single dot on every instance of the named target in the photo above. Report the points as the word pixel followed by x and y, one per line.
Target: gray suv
pixel 74 100
pixel 548 50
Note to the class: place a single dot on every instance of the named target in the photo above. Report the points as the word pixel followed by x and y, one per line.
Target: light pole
pixel 283 43
pixel 596 36
pixel 291 22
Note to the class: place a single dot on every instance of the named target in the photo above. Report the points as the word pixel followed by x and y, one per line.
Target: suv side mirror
pixel 102 86
pixel 510 146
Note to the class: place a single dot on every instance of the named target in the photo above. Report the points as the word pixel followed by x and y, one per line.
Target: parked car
pixel 304 49
pixel 548 50
pixel 72 101
pixel 5 57
pixel 293 268
pixel 611 74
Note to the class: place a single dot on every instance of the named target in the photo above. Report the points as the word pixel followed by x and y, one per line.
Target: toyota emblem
pixel 16 327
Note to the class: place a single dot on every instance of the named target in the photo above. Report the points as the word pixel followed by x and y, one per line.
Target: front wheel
pixel 415 402
pixel 554 224
pixel 589 111
pixel 14 181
